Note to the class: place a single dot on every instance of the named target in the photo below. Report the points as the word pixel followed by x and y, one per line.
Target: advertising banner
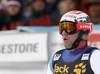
pixel 23 47
pixel 55 42
pixel 94 39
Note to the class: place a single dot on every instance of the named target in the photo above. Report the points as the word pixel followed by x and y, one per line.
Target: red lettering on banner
pixel 84 26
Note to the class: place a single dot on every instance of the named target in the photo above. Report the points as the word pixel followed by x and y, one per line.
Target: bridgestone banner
pixel 23 47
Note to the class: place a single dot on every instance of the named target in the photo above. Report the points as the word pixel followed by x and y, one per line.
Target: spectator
pixel 69 5
pixel 25 1
pixel 93 7
pixel 53 11
pixel 28 10
pixel 3 18
pixel 14 13
pixel 52 5
pixel 3 1
pixel 39 14
pixel 38 8
pixel 26 7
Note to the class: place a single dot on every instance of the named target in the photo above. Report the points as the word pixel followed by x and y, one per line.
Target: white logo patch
pixel 56 57
pixel 85 56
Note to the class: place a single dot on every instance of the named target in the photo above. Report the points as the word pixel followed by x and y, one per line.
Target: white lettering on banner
pixel 23 47
pixel 18 48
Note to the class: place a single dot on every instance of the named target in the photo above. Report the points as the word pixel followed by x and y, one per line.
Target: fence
pixel 27 50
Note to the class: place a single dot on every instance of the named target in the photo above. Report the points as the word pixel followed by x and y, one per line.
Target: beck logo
pixel 84 26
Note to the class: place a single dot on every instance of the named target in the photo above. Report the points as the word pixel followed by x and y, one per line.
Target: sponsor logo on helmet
pixel 70 16
pixel 84 26
pixel 84 20
pixel 75 12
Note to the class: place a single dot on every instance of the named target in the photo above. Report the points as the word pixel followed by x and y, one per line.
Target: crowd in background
pixel 15 13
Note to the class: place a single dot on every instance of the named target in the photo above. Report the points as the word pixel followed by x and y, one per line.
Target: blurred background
pixel 29 32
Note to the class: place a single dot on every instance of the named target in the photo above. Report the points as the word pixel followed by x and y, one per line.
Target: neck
pixel 82 45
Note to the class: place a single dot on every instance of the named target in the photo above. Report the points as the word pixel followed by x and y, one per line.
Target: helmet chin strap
pixel 75 44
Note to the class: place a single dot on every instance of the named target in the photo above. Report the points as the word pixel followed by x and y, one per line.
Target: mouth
pixel 65 39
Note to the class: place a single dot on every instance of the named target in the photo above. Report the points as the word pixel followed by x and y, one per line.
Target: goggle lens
pixel 69 27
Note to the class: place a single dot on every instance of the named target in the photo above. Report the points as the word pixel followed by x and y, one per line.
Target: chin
pixel 68 46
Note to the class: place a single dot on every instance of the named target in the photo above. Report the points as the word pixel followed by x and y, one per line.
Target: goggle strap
pixel 75 44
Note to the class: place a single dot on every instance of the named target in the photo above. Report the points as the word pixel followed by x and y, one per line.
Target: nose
pixel 64 32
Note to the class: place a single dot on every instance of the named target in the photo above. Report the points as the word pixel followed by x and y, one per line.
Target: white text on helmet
pixel 85 26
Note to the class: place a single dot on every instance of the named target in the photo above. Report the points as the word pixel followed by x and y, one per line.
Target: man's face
pixel 13 10
pixel 94 10
pixel 38 5
pixel 68 39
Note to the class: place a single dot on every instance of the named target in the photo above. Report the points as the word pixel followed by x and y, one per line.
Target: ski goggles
pixel 71 27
